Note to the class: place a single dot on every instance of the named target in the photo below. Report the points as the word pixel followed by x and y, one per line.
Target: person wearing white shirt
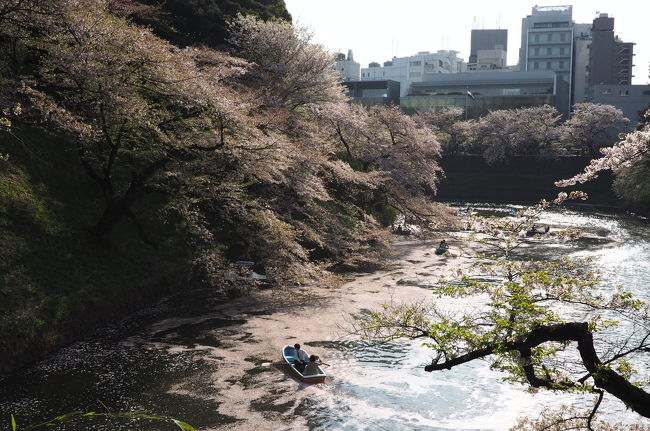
pixel 301 358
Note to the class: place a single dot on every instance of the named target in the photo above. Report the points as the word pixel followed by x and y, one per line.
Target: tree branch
pixel 462 359
pixel 604 377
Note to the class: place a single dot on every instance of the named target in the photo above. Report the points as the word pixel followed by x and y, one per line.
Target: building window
pixel 549 51
pixel 374 92
pixel 562 50
pixel 415 74
pixel 561 65
pixel 536 38
pixel 548 64
pixel 549 37
pixel 415 63
pixel 562 36
pixel 536 51
pixel 606 91
pixel 536 65
pixel 646 92
pixel 624 92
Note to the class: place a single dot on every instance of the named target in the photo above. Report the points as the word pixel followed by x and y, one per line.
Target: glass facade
pixel 475 107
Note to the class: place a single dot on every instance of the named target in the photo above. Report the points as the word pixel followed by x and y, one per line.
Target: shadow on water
pixel 122 369
pixel 118 378
pixel 195 333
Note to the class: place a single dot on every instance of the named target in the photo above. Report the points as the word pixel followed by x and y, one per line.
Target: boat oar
pixel 268 364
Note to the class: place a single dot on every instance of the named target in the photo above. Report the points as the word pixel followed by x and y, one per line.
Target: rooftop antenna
pixel 499 21
pixel 483 23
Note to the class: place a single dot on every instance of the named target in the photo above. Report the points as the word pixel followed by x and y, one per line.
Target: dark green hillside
pixel 196 22
pixel 58 281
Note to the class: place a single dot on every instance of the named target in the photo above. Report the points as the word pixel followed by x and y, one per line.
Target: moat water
pixel 371 387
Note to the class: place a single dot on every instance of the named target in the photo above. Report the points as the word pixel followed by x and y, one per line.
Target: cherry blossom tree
pixel 258 158
pixel 623 154
pixel 342 159
pixel 592 126
pixel 291 71
pixel 130 100
pixel 397 154
pixel 523 131
pixel 453 133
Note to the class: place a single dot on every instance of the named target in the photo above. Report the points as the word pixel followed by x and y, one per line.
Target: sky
pixel 377 30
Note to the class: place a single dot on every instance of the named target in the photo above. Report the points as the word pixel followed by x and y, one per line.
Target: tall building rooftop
pixel 551 9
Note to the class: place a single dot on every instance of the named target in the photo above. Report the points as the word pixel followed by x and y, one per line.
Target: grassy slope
pixel 56 280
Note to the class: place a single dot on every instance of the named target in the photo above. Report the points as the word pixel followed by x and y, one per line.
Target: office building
pixel 487 40
pixel 610 59
pixel 407 70
pixel 582 43
pixel 547 44
pixel 489 59
pixel 633 100
pixel 490 90
pixel 349 69
pixel 379 92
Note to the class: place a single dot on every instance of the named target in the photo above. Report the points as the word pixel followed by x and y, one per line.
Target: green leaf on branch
pixel 66 416
pixel 184 426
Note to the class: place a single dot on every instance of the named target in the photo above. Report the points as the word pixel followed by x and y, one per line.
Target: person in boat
pixel 534 231
pixel 301 358
pixel 312 366
pixel 443 247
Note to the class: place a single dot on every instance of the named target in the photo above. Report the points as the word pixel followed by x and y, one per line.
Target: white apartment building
pixel 349 69
pixel 406 70
pixel 489 59
pixel 547 44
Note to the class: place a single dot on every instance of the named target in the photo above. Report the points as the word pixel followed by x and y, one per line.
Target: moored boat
pixel 532 232
pixel 289 355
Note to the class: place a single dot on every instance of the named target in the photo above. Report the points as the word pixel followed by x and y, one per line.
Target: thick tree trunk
pixel 604 377
pixel 119 207
pixel 113 213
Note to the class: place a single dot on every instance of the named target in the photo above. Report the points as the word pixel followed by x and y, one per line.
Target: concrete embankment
pixel 523 179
